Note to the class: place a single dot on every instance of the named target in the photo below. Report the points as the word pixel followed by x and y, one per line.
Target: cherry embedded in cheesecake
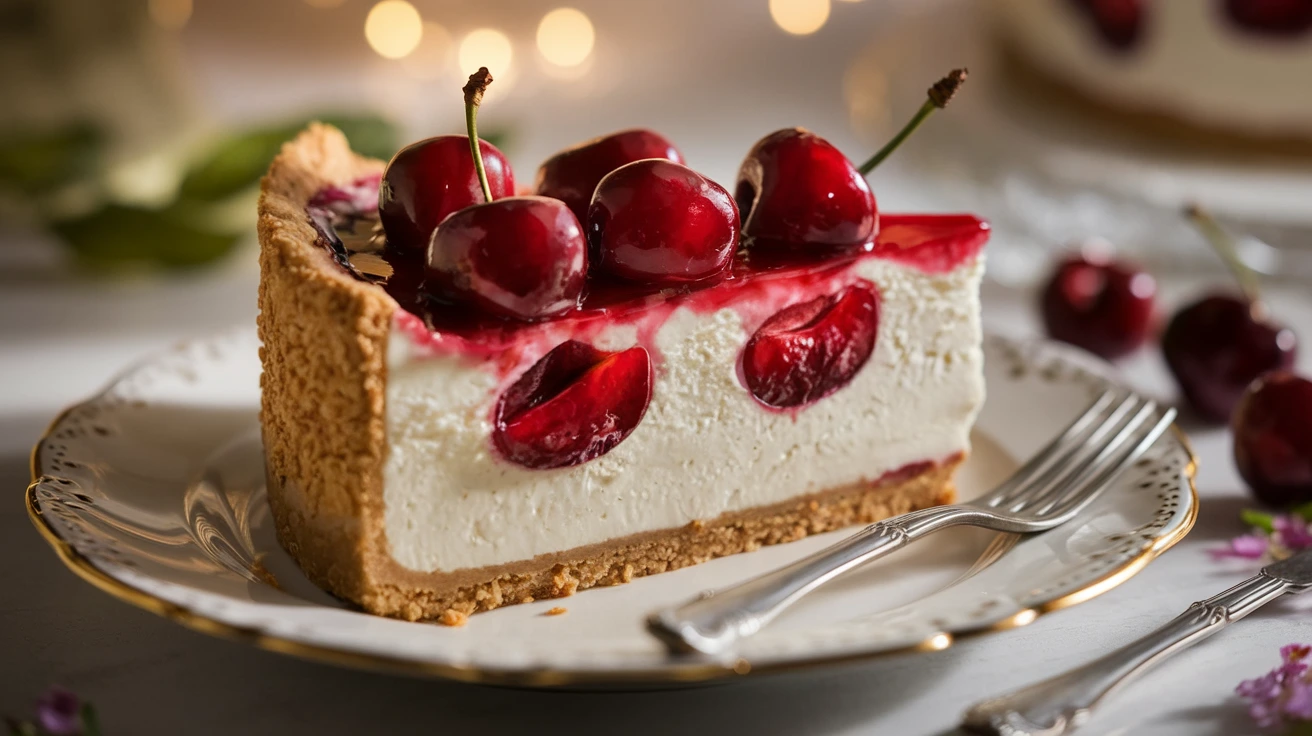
pixel 1119 23
pixel 661 223
pixel 574 405
pixel 426 181
pixel 572 175
pixel 810 350
pixel 795 190
pixel 1278 18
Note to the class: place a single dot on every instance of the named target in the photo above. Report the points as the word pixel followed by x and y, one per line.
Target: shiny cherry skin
pixel 1100 305
pixel 518 257
pixel 1217 346
pixel 1271 17
pixel 1119 22
pixel 574 405
pixel 1273 439
pixel 428 180
pixel 796 191
pixel 572 175
pixel 661 223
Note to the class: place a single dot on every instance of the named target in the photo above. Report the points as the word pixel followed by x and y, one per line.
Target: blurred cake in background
pixel 1215 71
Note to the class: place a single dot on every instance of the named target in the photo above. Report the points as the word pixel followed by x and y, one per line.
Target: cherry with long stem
pixel 474 89
pixel 937 98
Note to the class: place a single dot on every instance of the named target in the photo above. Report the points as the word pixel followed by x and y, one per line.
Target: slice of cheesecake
pixel 425 461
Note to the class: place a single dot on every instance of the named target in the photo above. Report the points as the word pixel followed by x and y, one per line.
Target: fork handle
pixel 716 619
pixel 1063 703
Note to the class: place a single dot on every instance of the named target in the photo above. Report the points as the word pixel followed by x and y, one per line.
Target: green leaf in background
pixel 237 162
pixel 1257 520
pixel 119 234
pixel 35 162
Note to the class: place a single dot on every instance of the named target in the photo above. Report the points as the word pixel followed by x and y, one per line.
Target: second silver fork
pixel 1049 490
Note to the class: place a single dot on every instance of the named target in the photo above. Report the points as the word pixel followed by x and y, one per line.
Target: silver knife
pixel 1064 703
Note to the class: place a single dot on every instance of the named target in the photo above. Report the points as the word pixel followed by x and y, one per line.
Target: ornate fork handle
pixel 1063 703
pixel 712 622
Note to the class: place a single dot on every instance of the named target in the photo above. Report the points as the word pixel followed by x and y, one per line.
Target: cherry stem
pixel 474 89
pixel 939 96
pixel 1224 245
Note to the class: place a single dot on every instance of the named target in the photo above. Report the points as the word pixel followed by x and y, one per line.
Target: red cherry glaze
pixel 795 190
pixel 573 174
pixel 426 181
pixel 520 257
pixel 1119 22
pixel 1273 439
pixel 661 223
pixel 1271 17
pixel 574 405
pixel 1099 305
pixel 1216 347
pixel 810 350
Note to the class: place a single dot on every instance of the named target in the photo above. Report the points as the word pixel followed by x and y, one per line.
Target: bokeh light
pixel 393 28
pixel 324 3
pixel 565 37
pixel 170 13
pixel 799 17
pixel 485 47
pixel 434 55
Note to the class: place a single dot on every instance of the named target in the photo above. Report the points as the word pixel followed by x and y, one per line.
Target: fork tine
pixel 1075 448
pixel 1055 450
pixel 1127 415
pixel 1081 494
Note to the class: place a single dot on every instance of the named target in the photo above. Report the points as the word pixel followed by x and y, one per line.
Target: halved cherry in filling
pixel 574 405
pixel 810 350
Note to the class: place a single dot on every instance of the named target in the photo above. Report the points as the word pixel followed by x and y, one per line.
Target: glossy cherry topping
pixel 810 350
pixel 1273 439
pixel 428 180
pixel 795 190
pixel 572 175
pixel 518 257
pixel 1100 305
pixel 658 222
pixel 574 405
pixel 1278 18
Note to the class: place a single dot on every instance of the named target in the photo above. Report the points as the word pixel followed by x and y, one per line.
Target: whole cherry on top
pixel 1096 303
pixel 1271 17
pixel 1273 439
pixel 517 257
pixel 796 190
pixel 1217 346
pixel 572 175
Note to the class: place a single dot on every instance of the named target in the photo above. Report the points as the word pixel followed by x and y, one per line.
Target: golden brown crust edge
pixel 324 341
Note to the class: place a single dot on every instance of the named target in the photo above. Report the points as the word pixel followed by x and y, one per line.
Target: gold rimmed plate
pixel 153 491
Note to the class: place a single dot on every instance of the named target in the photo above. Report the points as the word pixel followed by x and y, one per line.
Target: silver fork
pixel 1049 490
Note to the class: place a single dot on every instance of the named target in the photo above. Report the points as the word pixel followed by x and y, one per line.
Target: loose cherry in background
pixel 518 257
pixel 661 223
pixel 1096 303
pixel 1217 346
pixel 795 190
pixel 574 405
pixel 428 180
pixel 1273 439
pixel 572 175
pixel 1119 22
pixel 1271 17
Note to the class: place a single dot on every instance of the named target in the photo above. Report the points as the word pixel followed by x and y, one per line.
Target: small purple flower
pixel 59 712
pixel 1282 696
pixel 1247 547
pixel 1291 532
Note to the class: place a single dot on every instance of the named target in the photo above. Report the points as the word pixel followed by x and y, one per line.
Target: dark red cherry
pixel 1271 17
pixel 1217 346
pixel 1100 305
pixel 574 405
pixel 810 350
pixel 1119 22
pixel 658 222
pixel 521 257
pixel 1273 439
pixel 426 181
pixel 796 190
pixel 573 174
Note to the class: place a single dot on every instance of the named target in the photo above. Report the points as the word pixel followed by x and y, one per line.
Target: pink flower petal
pixel 1247 547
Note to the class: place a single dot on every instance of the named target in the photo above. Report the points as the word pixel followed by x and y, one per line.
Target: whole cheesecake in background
pixel 427 460
pixel 1219 71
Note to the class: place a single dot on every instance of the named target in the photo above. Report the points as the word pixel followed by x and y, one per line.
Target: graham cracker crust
pixel 324 381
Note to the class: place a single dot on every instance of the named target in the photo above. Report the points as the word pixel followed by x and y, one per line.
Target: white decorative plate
pixel 154 492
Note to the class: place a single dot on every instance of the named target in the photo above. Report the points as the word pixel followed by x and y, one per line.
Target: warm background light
pixel 565 37
pixel 393 28
pixel 799 17
pixel 485 47
pixel 324 3
pixel 434 55
pixel 170 13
